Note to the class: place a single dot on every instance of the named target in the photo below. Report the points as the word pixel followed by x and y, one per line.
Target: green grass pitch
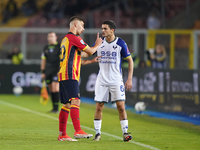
pixel 25 124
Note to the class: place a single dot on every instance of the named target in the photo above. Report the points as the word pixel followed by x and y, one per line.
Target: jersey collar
pixel 111 41
pixel 72 33
pixel 53 44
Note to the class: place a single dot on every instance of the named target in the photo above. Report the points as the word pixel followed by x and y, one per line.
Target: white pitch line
pixel 54 118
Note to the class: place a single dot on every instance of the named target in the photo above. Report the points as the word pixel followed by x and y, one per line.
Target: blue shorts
pixel 69 90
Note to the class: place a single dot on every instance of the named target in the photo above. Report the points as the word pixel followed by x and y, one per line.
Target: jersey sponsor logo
pixel 110 56
pixel 108 62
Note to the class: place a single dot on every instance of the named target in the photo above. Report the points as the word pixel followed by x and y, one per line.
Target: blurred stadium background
pixel 173 89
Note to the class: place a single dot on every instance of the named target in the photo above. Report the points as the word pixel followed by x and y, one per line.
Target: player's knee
pixel 55 86
pixel 76 102
pixel 121 109
pixel 99 107
pixel 67 105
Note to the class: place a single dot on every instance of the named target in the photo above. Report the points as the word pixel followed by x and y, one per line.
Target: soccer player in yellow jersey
pixel 72 48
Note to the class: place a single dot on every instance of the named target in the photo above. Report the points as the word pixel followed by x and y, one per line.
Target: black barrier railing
pixel 166 90
pixel 26 76
pixel 161 89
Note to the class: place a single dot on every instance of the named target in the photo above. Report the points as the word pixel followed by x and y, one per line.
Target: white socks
pixel 97 126
pixel 124 125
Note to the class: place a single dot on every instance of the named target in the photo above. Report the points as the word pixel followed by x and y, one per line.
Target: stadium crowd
pixel 131 13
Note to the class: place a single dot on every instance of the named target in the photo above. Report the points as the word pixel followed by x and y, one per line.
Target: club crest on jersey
pixel 51 50
pixel 114 47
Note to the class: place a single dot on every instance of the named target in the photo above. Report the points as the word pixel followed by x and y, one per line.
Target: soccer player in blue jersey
pixel 113 50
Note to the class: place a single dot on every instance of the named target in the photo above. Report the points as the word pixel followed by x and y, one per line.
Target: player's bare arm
pixel 94 60
pixel 128 83
pixel 84 54
pixel 92 50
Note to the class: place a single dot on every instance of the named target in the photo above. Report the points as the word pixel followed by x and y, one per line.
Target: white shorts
pixel 102 92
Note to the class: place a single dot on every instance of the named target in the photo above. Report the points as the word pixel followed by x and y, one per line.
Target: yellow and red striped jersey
pixel 70 60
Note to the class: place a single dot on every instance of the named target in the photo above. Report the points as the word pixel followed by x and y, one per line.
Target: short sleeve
pixel 79 43
pixel 43 56
pixel 124 49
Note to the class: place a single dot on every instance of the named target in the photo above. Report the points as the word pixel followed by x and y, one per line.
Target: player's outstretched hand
pixel 96 59
pixel 98 40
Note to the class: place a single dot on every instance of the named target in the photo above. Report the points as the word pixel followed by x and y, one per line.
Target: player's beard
pixel 79 33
